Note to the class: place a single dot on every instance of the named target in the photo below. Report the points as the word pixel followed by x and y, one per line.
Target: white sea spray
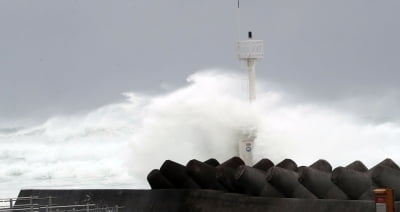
pixel 118 144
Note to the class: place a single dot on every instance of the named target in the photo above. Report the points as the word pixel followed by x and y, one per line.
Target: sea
pixel 117 145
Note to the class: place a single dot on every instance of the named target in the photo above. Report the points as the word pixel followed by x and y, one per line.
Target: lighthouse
pixel 249 51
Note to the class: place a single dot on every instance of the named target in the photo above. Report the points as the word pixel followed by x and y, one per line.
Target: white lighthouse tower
pixel 249 51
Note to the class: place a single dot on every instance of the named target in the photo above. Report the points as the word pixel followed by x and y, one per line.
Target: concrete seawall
pixel 196 200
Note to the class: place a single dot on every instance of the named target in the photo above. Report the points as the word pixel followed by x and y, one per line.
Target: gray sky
pixel 69 56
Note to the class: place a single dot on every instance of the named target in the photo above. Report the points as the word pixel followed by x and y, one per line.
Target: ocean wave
pixel 118 144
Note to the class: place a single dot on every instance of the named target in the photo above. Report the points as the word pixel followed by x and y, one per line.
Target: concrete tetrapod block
pixel 226 174
pixel 320 184
pixel 176 174
pixel 232 163
pixel 368 194
pixel 385 176
pixel 286 181
pixel 203 174
pixel 387 162
pixel 226 177
pixel 357 166
pixel 263 165
pixel 322 165
pixel 212 162
pixel 287 164
pixel 253 181
pixel 158 180
pixel 353 183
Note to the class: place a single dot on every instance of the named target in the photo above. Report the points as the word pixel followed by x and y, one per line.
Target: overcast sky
pixel 67 56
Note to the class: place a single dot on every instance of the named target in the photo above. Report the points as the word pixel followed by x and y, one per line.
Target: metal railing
pixel 28 204
pixel 24 202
